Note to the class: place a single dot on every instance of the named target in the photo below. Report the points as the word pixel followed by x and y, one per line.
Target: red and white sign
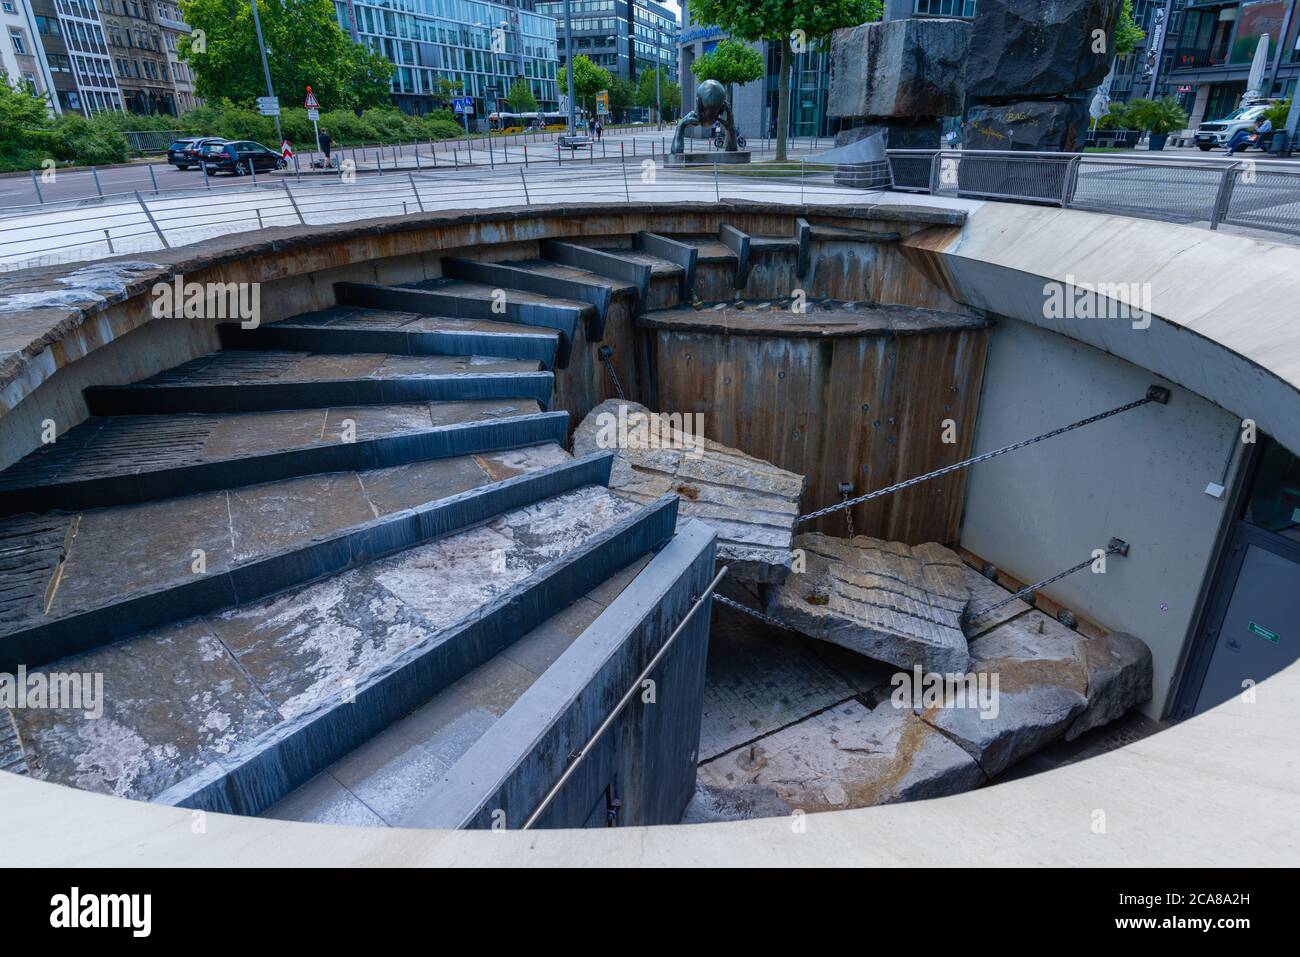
pixel 286 150
pixel 312 103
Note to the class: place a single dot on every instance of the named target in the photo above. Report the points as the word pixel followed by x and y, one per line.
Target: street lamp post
pixel 568 56
pixel 266 69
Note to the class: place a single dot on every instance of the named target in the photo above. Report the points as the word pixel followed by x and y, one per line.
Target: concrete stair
pixel 312 532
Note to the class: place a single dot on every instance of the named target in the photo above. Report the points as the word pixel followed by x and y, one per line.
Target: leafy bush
pixel 1156 116
pixel 442 130
pixel 1115 119
pixel 1277 113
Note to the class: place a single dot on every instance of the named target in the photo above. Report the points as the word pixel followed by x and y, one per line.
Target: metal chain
pixel 606 354
pixel 848 518
pixel 1156 394
pixel 767 619
pixel 1115 547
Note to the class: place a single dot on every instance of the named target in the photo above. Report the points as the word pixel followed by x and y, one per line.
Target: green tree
pixel 520 99
pixel 444 89
pixel 621 95
pixel 730 62
pixel 588 80
pixel 306 46
pixel 670 93
pixel 1127 33
pixel 794 24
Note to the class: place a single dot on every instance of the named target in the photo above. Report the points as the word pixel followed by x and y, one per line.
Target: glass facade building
pixel 624 37
pixel 482 46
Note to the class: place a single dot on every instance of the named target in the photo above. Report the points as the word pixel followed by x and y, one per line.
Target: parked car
pixel 188 150
pixel 239 158
pixel 1218 132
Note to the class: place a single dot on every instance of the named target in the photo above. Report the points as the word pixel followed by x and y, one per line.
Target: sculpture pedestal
pixel 706 158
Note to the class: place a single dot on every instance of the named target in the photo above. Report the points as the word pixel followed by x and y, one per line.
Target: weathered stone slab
pixel 897 603
pixel 1035 125
pixel 751 504
pixel 1029 48
pixel 845 757
pixel 907 68
pixel 1041 686
pixel 1120 673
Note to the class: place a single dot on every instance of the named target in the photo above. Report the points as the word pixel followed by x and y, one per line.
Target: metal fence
pixel 151 141
pixel 142 220
pixel 1258 194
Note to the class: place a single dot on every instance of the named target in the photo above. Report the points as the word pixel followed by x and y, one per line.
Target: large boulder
pixel 1020 49
pixel 896 603
pixel 845 757
pixel 1120 673
pixel 1037 125
pixel 906 68
pixel 751 504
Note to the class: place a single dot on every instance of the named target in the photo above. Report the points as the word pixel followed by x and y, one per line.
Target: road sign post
pixel 266 69
pixel 313 114
pixel 464 105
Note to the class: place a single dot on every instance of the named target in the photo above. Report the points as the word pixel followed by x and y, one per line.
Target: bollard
pixel 152 178
pixel 525 156
pixel 95 173
pixel 108 239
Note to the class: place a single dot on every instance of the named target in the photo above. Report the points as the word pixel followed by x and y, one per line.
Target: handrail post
pixel 152 222
pixel 95 173
pixel 936 162
pixel 293 202
pixel 627 193
pixel 416 190
pixel 717 187
pixel 1071 172
pixel 40 198
pixel 523 179
pixel 1224 195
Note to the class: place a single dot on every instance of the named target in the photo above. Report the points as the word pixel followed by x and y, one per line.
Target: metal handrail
pixel 623 702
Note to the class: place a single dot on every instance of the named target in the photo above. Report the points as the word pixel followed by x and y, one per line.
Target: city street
pixel 19 189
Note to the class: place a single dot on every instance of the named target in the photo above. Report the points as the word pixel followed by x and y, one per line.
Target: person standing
pixel 600 130
pixel 325 144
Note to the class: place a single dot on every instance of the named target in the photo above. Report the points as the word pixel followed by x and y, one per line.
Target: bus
pixel 519 122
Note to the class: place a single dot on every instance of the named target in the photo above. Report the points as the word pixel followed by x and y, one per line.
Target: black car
pixel 188 150
pixel 239 158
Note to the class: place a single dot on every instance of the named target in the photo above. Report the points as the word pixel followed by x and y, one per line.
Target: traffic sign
pixel 311 103
pixel 462 104
pixel 602 103
pixel 313 114
pixel 268 105
pixel 286 150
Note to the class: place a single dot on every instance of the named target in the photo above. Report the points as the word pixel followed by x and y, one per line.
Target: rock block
pixel 1041 686
pixel 1035 125
pixel 1120 673
pixel 845 757
pixel 896 603
pixel 1029 48
pixel 751 503
pixel 908 68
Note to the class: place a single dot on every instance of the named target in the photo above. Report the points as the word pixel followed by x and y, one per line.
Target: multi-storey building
pixel 81 71
pixel 480 45
pixel 22 58
pixel 135 41
pixel 624 37
pixel 169 18
pixel 1210 48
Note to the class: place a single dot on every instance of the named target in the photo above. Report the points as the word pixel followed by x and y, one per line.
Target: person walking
pixel 600 130
pixel 325 144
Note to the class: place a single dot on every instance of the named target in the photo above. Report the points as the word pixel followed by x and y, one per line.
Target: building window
pixel 19 42
pixel 946 8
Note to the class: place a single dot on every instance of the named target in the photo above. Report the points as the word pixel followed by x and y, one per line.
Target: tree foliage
pixel 588 80
pixel 520 99
pixel 670 93
pixel 306 48
pixel 794 24
pixel 730 62
pixel 1127 33
pixel 31 135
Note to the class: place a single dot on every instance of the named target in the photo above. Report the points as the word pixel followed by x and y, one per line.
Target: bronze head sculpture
pixel 710 107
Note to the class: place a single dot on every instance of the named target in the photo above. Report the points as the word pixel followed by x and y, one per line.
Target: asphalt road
pixel 19 190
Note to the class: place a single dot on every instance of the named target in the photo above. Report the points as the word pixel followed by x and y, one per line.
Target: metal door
pixel 1257 632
